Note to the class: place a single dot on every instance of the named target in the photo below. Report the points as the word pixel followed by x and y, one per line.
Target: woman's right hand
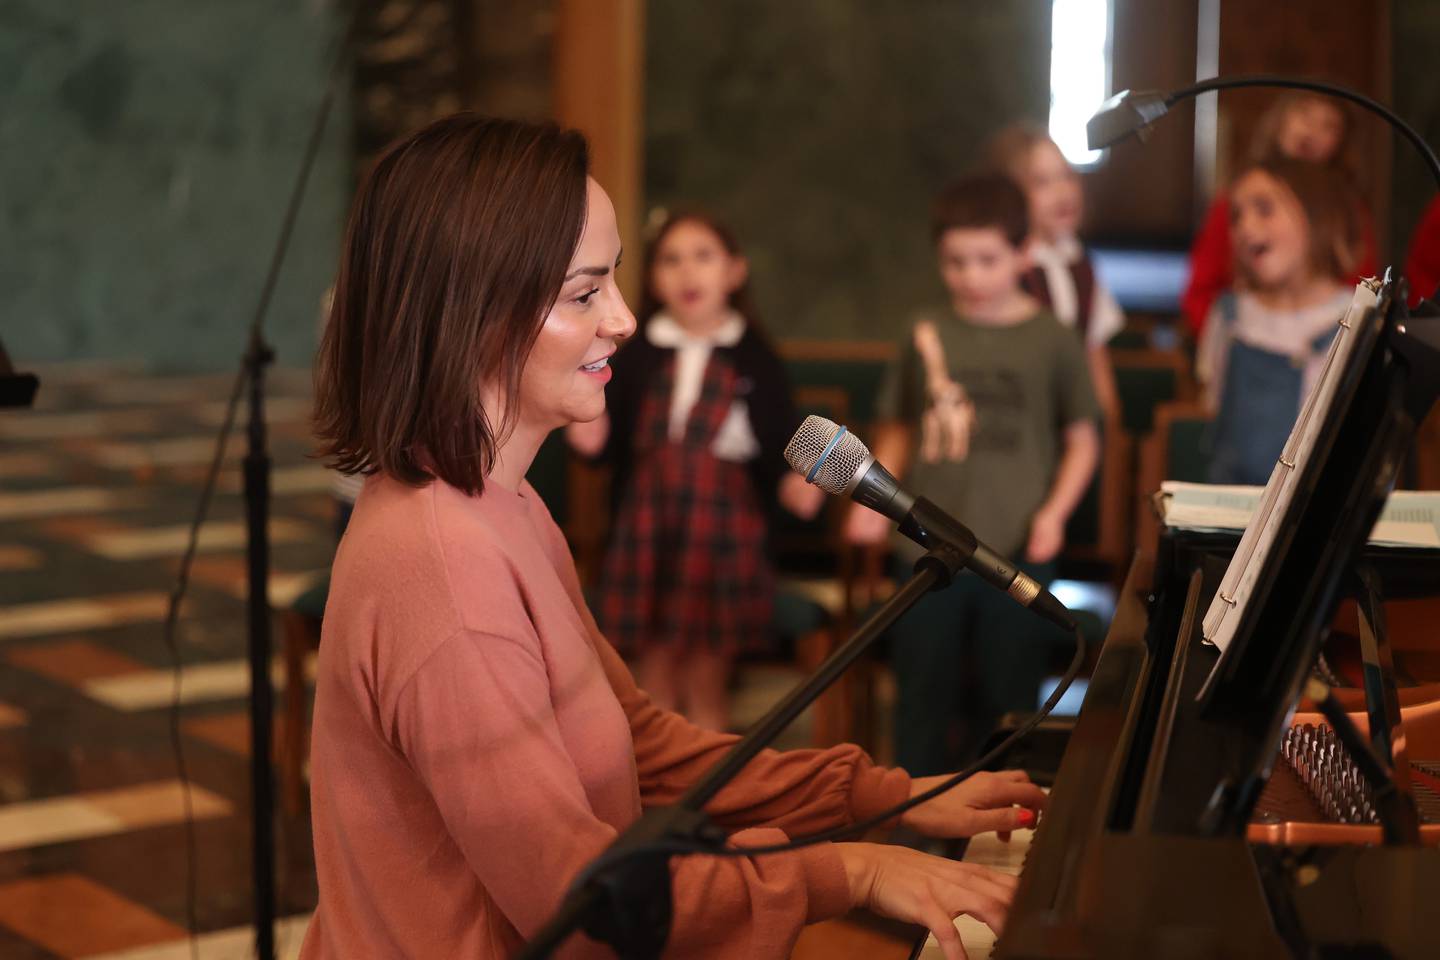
pixel 864 527
pixel 919 888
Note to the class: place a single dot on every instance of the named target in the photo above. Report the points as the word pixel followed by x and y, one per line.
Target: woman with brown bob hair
pixel 476 740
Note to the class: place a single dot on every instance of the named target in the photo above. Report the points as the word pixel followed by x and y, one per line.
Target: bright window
pixel 1079 72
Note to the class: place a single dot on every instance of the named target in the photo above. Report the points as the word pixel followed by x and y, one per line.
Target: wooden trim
pixel 836 398
pixel 1160 359
pixel 878 350
pixel 599 72
pixel 1117 459
pixel 1154 455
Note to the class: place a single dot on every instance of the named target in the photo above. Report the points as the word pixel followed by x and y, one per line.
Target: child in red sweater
pixel 1299 126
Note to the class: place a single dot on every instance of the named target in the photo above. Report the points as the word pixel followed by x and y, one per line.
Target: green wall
pixel 147 149
pixel 819 129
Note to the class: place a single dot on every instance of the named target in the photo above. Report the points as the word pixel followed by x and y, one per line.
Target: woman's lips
pixel 599 370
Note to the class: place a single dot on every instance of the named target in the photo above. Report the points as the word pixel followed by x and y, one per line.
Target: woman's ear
pixel 737 273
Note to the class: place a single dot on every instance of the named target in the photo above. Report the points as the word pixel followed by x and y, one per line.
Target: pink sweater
pixel 476 742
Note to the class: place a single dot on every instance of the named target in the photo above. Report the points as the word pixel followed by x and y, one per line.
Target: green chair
pixel 1177 449
pixel 1145 379
pixel 853 368
pixel 1130 338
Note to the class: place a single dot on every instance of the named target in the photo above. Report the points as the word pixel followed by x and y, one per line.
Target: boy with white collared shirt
pixel 1062 275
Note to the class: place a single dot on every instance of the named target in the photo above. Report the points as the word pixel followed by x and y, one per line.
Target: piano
pixel 1200 809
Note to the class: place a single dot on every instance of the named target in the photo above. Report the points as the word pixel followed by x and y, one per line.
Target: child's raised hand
pixel 588 439
pixel 1047 536
pixel 800 498
pixel 864 527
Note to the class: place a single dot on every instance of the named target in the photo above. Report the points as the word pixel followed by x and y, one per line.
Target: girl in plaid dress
pixel 699 412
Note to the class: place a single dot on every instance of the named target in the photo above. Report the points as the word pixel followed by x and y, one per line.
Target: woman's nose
pixel 619 322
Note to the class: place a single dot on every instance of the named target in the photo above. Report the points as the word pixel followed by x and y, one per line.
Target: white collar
pixel 1065 251
pixel 664 331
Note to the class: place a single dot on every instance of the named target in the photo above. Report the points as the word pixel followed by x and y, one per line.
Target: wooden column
pixel 598 70
pixel 599 61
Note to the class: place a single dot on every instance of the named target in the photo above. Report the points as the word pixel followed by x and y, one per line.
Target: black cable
pixel 1314 86
pixel 182 581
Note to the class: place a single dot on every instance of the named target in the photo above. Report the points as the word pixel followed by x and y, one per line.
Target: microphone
pixel 838 462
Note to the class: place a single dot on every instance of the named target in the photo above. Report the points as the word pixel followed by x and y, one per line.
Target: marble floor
pixel 98 484
pixel 97 487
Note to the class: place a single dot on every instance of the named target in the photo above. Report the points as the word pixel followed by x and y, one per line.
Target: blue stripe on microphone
pixel 810 477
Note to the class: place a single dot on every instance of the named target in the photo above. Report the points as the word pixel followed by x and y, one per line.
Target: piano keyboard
pixel 988 850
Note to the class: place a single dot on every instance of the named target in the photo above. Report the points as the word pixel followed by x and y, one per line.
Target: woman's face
pixel 694 275
pixel 1311 130
pixel 565 375
pixel 1052 188
pixel 1270 230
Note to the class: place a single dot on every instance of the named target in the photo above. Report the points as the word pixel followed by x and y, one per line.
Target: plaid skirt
pixel 687 562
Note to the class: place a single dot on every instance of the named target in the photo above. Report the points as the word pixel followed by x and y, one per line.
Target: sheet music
pixel 1223 617
pixel 1411 518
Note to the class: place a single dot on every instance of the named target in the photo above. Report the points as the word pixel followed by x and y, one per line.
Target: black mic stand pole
pixel 624 899
pixel 257 518
pixel 259 355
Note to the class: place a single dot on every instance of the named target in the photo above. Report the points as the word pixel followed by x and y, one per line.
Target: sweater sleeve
pixel 799 791
pixel 1211 266
pixel 476 724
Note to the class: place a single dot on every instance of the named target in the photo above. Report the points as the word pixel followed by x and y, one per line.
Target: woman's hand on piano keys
pixel 1001 802
pixel 920 888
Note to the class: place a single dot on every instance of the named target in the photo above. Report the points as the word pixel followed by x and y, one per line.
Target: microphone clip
pixel 945 560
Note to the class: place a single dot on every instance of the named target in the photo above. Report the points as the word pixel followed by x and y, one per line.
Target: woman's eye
pixel 584 298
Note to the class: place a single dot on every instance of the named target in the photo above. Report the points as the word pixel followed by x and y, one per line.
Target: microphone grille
pixel 840 465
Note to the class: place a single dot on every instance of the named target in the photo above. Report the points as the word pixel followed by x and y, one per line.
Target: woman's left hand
pixel 1001 802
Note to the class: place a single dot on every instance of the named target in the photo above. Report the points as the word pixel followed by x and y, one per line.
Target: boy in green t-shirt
pixel 988 411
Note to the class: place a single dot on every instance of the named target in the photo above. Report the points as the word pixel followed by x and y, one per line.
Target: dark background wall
pixel 147 149
pixel 819 130
pixel 1416 97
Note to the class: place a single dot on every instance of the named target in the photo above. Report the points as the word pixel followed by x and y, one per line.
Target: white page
pixel 1223 617
pixel 1411 518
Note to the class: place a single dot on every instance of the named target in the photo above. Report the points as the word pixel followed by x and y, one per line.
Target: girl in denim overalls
pixel 1294 227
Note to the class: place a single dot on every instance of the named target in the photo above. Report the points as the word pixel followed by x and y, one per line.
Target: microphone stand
pixel 258 356
pixel 624 898
pixel 251 377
